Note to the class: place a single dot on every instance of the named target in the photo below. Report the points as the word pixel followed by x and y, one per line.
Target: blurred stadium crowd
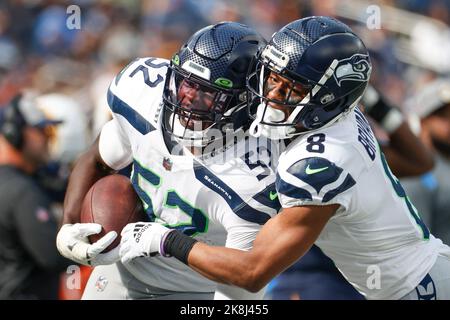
pixel 69 71
pixel 39 52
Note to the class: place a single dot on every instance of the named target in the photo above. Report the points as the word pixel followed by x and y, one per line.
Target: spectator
pixel 429 193
pixel 29 261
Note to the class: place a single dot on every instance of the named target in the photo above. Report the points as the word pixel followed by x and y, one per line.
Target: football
pixel 112 203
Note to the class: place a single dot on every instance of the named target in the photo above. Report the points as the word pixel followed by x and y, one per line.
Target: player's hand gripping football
pixel 142 239
pixel 73 243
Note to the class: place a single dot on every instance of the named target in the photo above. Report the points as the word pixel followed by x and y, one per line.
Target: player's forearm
pixel 226 265
pixel 88 169
pixel 252 269
pixel 282 240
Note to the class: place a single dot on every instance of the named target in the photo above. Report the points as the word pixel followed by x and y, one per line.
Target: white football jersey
pixel 221 200
pixel 376 238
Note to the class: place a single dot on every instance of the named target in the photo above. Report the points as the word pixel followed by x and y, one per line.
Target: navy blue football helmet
pixel 206 84
pixel 311 72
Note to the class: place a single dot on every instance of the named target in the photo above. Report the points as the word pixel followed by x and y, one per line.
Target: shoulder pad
pixel 136 91
pixel 317 172
pixel 313 175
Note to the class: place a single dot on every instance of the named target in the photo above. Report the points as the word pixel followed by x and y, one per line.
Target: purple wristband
pixel 161 244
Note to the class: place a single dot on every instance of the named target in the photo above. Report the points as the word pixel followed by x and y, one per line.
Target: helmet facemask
pixel 196 112
pixel 278 118
pixel 306 104
pixel 205 88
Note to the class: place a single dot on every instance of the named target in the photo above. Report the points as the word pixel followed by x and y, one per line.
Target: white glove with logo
pixel 142 239
pixel 73 243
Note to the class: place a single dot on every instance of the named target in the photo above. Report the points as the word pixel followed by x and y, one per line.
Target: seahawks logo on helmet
pixel 355 68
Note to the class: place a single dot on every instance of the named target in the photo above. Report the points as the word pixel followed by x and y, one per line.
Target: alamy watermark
pixel 73 21
pixel 73 280
pixel 373 21
pixel 374 279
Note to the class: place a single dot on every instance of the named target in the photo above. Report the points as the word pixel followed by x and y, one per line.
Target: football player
pixel 332 180
pixel 182 125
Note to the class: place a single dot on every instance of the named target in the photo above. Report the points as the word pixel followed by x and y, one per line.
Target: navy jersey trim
pixel 291 191
pixel 317 172
pixel 347 184
pixel 239 207
pixel 132 116
pixel 424 290
pixel 268 197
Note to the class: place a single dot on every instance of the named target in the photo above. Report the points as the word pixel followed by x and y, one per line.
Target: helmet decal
pixel 355 68
pixel 197 69
pixel 224 82
pixel 176 59
pixel 275 58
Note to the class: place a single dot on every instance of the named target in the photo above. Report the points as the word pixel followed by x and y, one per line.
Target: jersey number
pixel 144 70
pixel 257 164
pixel 402 194
pixel 315 143
pixel 172 200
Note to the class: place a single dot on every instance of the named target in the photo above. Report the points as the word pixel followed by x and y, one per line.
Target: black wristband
pixel 178 245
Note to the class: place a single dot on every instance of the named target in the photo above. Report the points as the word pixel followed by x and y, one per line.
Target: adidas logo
pixel 138 230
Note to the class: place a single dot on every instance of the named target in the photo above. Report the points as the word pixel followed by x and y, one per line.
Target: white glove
pixel 142 239
pixel 73 243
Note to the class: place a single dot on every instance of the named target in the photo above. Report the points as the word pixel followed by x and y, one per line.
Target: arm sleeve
pixel 37 228
pixel 240 235
pixel 114 146
pixel 125 95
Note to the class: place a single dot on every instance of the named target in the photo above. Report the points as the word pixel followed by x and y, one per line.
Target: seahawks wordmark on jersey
pixel 221 199
pixel 376 226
